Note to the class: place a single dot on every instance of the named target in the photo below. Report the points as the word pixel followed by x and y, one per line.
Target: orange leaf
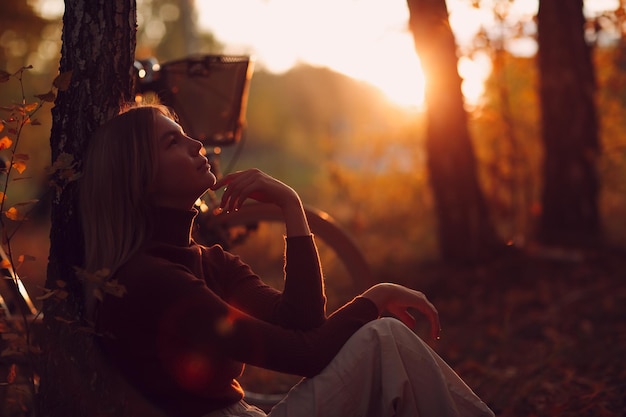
pixel 5 143
pixel 26 258
pixel 30 107
pixel 6 264
pixel 19 166
pixel 14 214
pixel 2 197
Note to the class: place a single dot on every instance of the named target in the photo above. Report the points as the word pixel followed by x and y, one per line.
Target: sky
pixel 365 39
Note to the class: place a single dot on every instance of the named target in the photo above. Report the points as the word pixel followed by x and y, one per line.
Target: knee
pixel 387 327
pixel 392 330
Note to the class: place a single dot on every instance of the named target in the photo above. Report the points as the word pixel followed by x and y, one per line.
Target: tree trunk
pixel 464 229
pixel 570 127
pixel 98 48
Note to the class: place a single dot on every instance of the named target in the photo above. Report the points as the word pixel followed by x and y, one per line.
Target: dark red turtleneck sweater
pixel 192 316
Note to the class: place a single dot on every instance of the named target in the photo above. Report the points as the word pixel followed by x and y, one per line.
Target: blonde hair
pixel 116 185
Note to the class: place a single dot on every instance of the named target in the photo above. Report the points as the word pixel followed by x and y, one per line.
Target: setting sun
pixel 366 40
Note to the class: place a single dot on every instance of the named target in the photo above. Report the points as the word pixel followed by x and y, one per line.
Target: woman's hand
pixel 254 184
pixel 257 185
pixel 397 300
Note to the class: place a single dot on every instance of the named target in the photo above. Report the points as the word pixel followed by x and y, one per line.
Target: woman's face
pixel 183 173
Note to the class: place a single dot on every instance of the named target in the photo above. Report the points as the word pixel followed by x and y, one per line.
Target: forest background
pixel 349 150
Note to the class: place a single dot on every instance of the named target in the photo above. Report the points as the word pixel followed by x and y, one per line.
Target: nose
pixel 196 146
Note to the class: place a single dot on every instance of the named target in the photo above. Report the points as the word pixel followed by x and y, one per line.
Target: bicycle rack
pixel 208 93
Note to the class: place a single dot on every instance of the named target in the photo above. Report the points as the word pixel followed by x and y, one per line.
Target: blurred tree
pixel 168 29
pixel 569 126
pixel 509 186
pixel 464 228
pixel 98 49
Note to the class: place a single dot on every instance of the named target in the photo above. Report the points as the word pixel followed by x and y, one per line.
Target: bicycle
pixel 209 95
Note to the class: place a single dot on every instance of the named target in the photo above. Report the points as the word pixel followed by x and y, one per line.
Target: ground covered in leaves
pixel 538 335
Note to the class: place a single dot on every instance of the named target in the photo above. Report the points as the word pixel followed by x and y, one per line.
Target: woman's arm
pixel 302 303
pixel 300 306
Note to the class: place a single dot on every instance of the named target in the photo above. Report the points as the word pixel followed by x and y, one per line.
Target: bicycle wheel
pixel 255 233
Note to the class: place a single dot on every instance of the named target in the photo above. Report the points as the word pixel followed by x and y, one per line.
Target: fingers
pixel 431 313
pixel 407 299
pixel 256 185
pixel 239 187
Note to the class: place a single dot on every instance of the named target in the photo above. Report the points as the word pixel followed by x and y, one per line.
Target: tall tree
pixel 569 123
pixel 98 51
pixel 464 228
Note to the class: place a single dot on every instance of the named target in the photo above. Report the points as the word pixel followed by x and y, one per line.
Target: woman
pixel 188 317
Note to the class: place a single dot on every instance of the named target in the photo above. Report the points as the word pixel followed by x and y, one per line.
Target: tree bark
pixel 98 49
pixel 570 126
pixel 464 228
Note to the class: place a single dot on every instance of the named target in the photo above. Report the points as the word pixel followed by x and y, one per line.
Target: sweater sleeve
pixel 302 303
pixel 207 322
pixel 190 319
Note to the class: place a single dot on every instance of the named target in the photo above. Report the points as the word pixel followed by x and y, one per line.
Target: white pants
pixel 383 370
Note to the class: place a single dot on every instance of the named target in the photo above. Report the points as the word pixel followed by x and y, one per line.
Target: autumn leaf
pixel 98 277
pixel 47 294
pixel 63 162
pixel 48 97
pixel 5 263
pixel 23 258
pixel 12 374
pixel 62 81
pixel 4 76
pixel 29 107
pixel 14 214
pixel 21 156
pixel 113 287
pixel 19 166
pixel 2 197
pixel 35 122
pixel 5 143
pixel 26 258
